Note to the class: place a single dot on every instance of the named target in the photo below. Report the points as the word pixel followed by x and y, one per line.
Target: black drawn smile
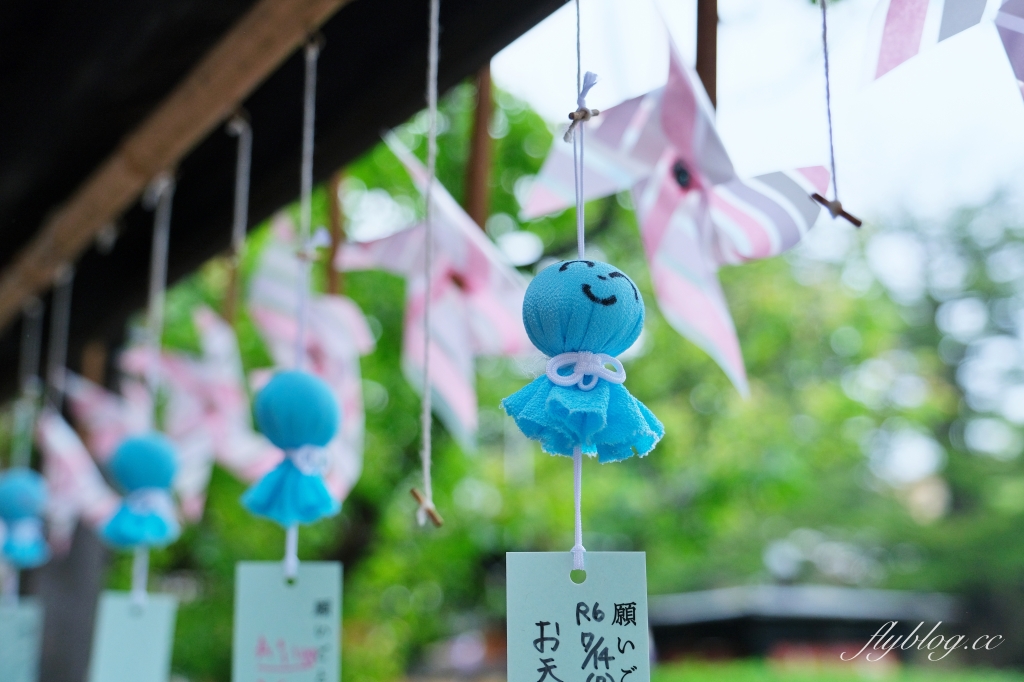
pixel 603 301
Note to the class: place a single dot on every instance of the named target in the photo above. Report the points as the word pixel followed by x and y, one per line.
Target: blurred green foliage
pixel 792 463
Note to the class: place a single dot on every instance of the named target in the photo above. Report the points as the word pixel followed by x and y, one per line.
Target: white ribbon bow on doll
pixel 585 364
pixel 145 501
pixel 311 460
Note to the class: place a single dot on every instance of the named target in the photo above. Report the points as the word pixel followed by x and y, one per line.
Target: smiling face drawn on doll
pixel 588 290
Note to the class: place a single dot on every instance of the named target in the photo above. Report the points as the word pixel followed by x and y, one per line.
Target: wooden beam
pixel 253 49
pixel 707 47
pixel 478 168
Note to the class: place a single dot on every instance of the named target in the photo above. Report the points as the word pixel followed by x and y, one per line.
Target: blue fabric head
pixel 582 305
pixel 147 461
pixel 296 409
pixel 22 494
pixel 23 500
pixel 144 466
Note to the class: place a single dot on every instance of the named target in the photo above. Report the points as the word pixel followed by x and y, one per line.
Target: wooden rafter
pixel 253 49
pixel 707 47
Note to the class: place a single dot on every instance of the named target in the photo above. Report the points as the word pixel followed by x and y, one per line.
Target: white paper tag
pixel 21 629
pixel 133 642
pixel 287 632
pixel 560 631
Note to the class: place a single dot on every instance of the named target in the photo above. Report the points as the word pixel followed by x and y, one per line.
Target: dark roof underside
pixel 77 77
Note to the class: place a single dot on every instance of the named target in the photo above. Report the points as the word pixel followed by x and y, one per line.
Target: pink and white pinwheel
pixel 336 335
pixel 77 489
pixel 476 300
pixel 695 214
pixel 902 29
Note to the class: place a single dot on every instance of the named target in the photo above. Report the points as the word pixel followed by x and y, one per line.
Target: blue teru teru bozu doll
pixel 23 499
pixel 582 314
pixel 144 468
pixel 298 413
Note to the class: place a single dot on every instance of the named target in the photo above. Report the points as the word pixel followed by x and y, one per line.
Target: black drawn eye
pixel 567 263
pixel 636 295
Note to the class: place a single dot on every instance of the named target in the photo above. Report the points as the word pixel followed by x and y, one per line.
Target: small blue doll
pixel 582 314
pixel 144 467
pixel 298 413
pixel 23 500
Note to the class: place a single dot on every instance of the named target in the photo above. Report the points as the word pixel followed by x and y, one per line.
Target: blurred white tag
pixel 560 631
pixel 287 632
pixel 21 630
pixel 133 642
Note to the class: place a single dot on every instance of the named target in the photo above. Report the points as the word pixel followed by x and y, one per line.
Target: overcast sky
pixel 944 129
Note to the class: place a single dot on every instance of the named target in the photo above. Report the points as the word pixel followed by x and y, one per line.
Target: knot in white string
pixel 425 511
pixel 311 460
pixel 150 501
pixel 320 239
pixel 582 113
pixel 26 530
pixel 585 364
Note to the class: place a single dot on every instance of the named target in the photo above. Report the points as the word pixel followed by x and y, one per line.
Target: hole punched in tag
pixel 578 576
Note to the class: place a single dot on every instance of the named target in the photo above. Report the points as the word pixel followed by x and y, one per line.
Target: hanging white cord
pixel 140 575
pixel 28 378
pixel 306 200
pixel 580 230
pixel 834 206
pixel 584 82
pixel 160 195
pixel 828 99
pixel 578 551
pixel 241 129
pixel 426 509
pixel 10 587
pixel 312 54
pixel 24 413
pixel 57 354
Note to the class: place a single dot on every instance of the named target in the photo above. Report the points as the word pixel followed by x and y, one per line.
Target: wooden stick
pixel 431 512
pixel 836 209
pixel 230 71
pixel 335 279
pixel 478 168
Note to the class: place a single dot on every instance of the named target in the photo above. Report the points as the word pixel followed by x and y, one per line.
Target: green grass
pixel 760 671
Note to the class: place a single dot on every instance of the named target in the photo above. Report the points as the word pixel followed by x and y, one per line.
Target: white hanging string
pixel 584 82
pixel 28 379
pixel 24 416
pixel 834 206
pixel 140 575
pixel 241 129
pixel 312 55
pixel 159 196
pixel 426 500
pixel 10 585
pixel 57 354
